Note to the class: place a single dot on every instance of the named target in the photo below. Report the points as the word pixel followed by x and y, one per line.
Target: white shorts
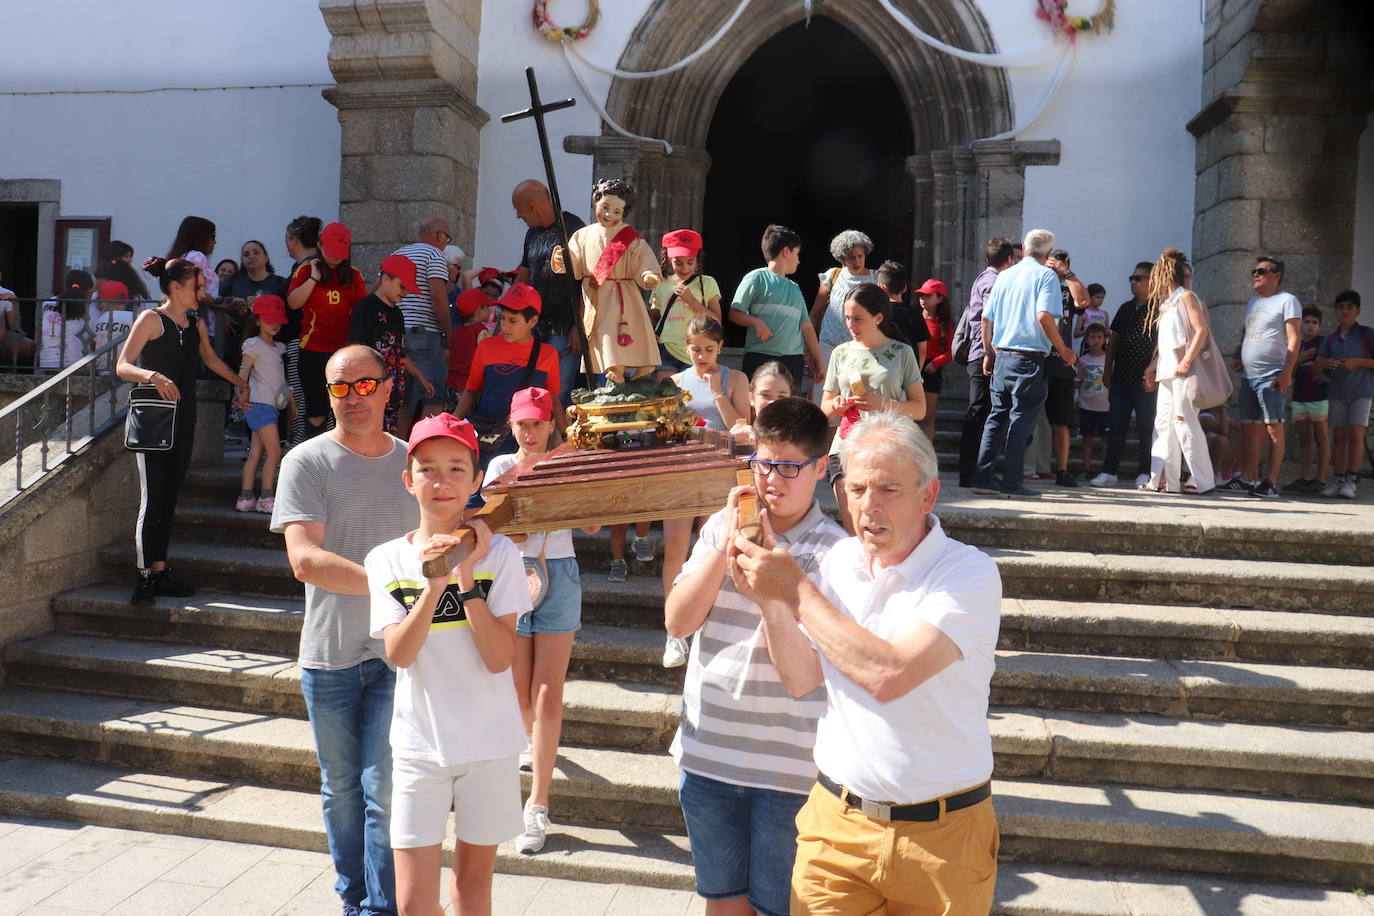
pixel 484 796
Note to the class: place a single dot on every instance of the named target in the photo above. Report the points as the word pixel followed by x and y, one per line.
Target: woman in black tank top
pixel 165 348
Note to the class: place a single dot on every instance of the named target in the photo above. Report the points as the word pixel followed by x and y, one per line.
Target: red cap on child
pixel 442 426
pixel 403 269
pixel 112 289
pixel 270 309
pixel 487 274
pixel 521 296
pixel 470 300
pixel 932 286
pixel 531 404
pixel 682 243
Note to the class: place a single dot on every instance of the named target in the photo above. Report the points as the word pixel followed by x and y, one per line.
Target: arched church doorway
pixel 811 132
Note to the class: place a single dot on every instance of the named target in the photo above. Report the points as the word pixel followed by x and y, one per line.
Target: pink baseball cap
pixel 682 243
pixel 335 240
pixel 271 309
pixel 531 404
pixel 442 426
pixel 933 286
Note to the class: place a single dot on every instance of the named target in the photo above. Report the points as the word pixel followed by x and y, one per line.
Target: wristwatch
pixel 470 594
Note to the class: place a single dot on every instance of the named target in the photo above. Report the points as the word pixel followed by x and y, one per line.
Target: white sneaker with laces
pixel 675 652
pixel 536 829
pixel 1103 480
pixel 527 757
pixel 1333 488
pixel 1347 490
pixel 1142 480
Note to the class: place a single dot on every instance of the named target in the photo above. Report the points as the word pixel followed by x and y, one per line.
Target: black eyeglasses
pixel 366 387
pixel 1261 271
pixel 1137 279
pixel 785 469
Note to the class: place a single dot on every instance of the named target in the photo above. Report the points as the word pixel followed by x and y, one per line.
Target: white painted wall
pixel 1123 190
pixel 1363 279
pixel 249 159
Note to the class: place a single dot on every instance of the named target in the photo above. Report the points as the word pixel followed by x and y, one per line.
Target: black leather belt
pixel 1034 354
pixel 923 811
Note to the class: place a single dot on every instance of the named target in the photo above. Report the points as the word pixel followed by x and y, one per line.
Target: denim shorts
pixel 259 415
pixel 561 609
pixel 1260 399
pixel 1309 410
pixel 744 841
pixel 1348 412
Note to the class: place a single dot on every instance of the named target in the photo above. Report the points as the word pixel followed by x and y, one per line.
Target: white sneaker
pixel 1142 481
pixel 1334 488
pixel 675 652
pixel 527 757
pixel 1103 480
pixel 1347 490
pixel 536 829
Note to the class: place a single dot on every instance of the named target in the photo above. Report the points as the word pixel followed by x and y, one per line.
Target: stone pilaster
pixel 407 84
pixel 1286 92
pixel 671 188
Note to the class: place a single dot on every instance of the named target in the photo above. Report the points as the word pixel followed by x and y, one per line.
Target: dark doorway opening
pixel 811 132
pixel 19 255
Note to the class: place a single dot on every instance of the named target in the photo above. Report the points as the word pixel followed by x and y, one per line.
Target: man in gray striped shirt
pixel 428 321
pixel 745 743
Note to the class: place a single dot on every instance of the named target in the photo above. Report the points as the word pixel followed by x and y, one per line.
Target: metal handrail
pixel 42 430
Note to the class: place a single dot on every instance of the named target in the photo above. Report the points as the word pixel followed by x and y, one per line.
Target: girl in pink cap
pixel 267 395
pixel 687 293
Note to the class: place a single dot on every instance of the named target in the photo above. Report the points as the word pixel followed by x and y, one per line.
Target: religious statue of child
pixel 613 263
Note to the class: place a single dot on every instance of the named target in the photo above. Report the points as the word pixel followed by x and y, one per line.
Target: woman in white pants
pixel 1183 328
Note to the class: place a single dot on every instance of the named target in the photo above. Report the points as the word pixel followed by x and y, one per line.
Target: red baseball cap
pixel 521 296
pixel 442 426
pixel 531 404
pixel 487 274
pixel 403 269
pixel 112 289
pixel 469 301
pixel 270 308
pixel 334 240
pixel 682 243
pixel 933 286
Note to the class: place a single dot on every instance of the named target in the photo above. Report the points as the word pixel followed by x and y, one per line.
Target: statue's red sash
pixel 613 253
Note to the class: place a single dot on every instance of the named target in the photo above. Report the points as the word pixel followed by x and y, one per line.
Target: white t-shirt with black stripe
pixel 431 266
pixel 739 724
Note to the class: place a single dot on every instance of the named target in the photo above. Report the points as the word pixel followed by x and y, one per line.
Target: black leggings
pixel 311 368
pixel 160 475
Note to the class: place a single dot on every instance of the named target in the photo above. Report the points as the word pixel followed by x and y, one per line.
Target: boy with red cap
pixel 455 726
pixel 267 395
pixel 378 322
pixel 690 294
pixel 511 361
pixel 473 307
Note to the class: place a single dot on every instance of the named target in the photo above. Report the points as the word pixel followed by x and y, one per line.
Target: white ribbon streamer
pixel 601 110
pixel 1060 73
pixel 1028 57
pixel 685 62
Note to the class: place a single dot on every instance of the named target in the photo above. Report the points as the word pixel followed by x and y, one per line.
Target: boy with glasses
pixel 1130 347
pixel 1268 355
pixel 745 742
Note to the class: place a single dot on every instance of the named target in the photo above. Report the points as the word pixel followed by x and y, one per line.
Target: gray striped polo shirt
pixel 362 503
pixel 739 724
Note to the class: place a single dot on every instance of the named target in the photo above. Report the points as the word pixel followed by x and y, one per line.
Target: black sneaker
pixel 1236 485
pixel 144 589
pixel 1065 478
pixel 1265 490
pixel 164 584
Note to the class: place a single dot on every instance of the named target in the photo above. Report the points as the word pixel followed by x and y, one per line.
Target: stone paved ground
pixel 58 868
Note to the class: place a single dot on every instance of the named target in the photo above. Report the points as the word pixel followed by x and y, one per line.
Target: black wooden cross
pixel 537 110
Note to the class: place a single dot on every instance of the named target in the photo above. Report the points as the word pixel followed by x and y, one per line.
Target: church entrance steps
pixel 1116 827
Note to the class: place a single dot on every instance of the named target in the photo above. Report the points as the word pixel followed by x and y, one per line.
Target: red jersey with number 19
pixel 325 315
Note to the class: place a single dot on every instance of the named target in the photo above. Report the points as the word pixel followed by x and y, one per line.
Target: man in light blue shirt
pixel 1019 328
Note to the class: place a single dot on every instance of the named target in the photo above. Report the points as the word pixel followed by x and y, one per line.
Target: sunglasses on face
pixel 365 387
pixel 1136 279
pixel 1261 271
pixel 785 469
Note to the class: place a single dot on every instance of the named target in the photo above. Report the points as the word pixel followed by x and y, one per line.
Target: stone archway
pixel 963 194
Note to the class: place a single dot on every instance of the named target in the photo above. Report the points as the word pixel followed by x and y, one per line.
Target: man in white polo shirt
pixel 902 631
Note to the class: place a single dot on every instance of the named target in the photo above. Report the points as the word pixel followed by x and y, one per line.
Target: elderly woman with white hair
pixel 850 249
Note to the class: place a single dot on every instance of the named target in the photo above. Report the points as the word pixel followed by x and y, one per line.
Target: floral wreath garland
pixel 559 33
pixel 1055 13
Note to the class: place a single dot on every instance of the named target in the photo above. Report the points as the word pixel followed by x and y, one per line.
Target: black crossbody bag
pixel 150 425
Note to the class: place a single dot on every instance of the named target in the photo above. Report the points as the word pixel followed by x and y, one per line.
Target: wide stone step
pixel 633 714
pixel 616 785
pixel 628 644
pixel 290 818
pixel 1039 822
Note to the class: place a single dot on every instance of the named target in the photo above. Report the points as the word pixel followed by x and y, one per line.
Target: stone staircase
pixel 1183 709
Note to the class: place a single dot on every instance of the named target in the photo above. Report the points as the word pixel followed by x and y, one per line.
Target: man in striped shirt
pixel 744 743
pixel 427 317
